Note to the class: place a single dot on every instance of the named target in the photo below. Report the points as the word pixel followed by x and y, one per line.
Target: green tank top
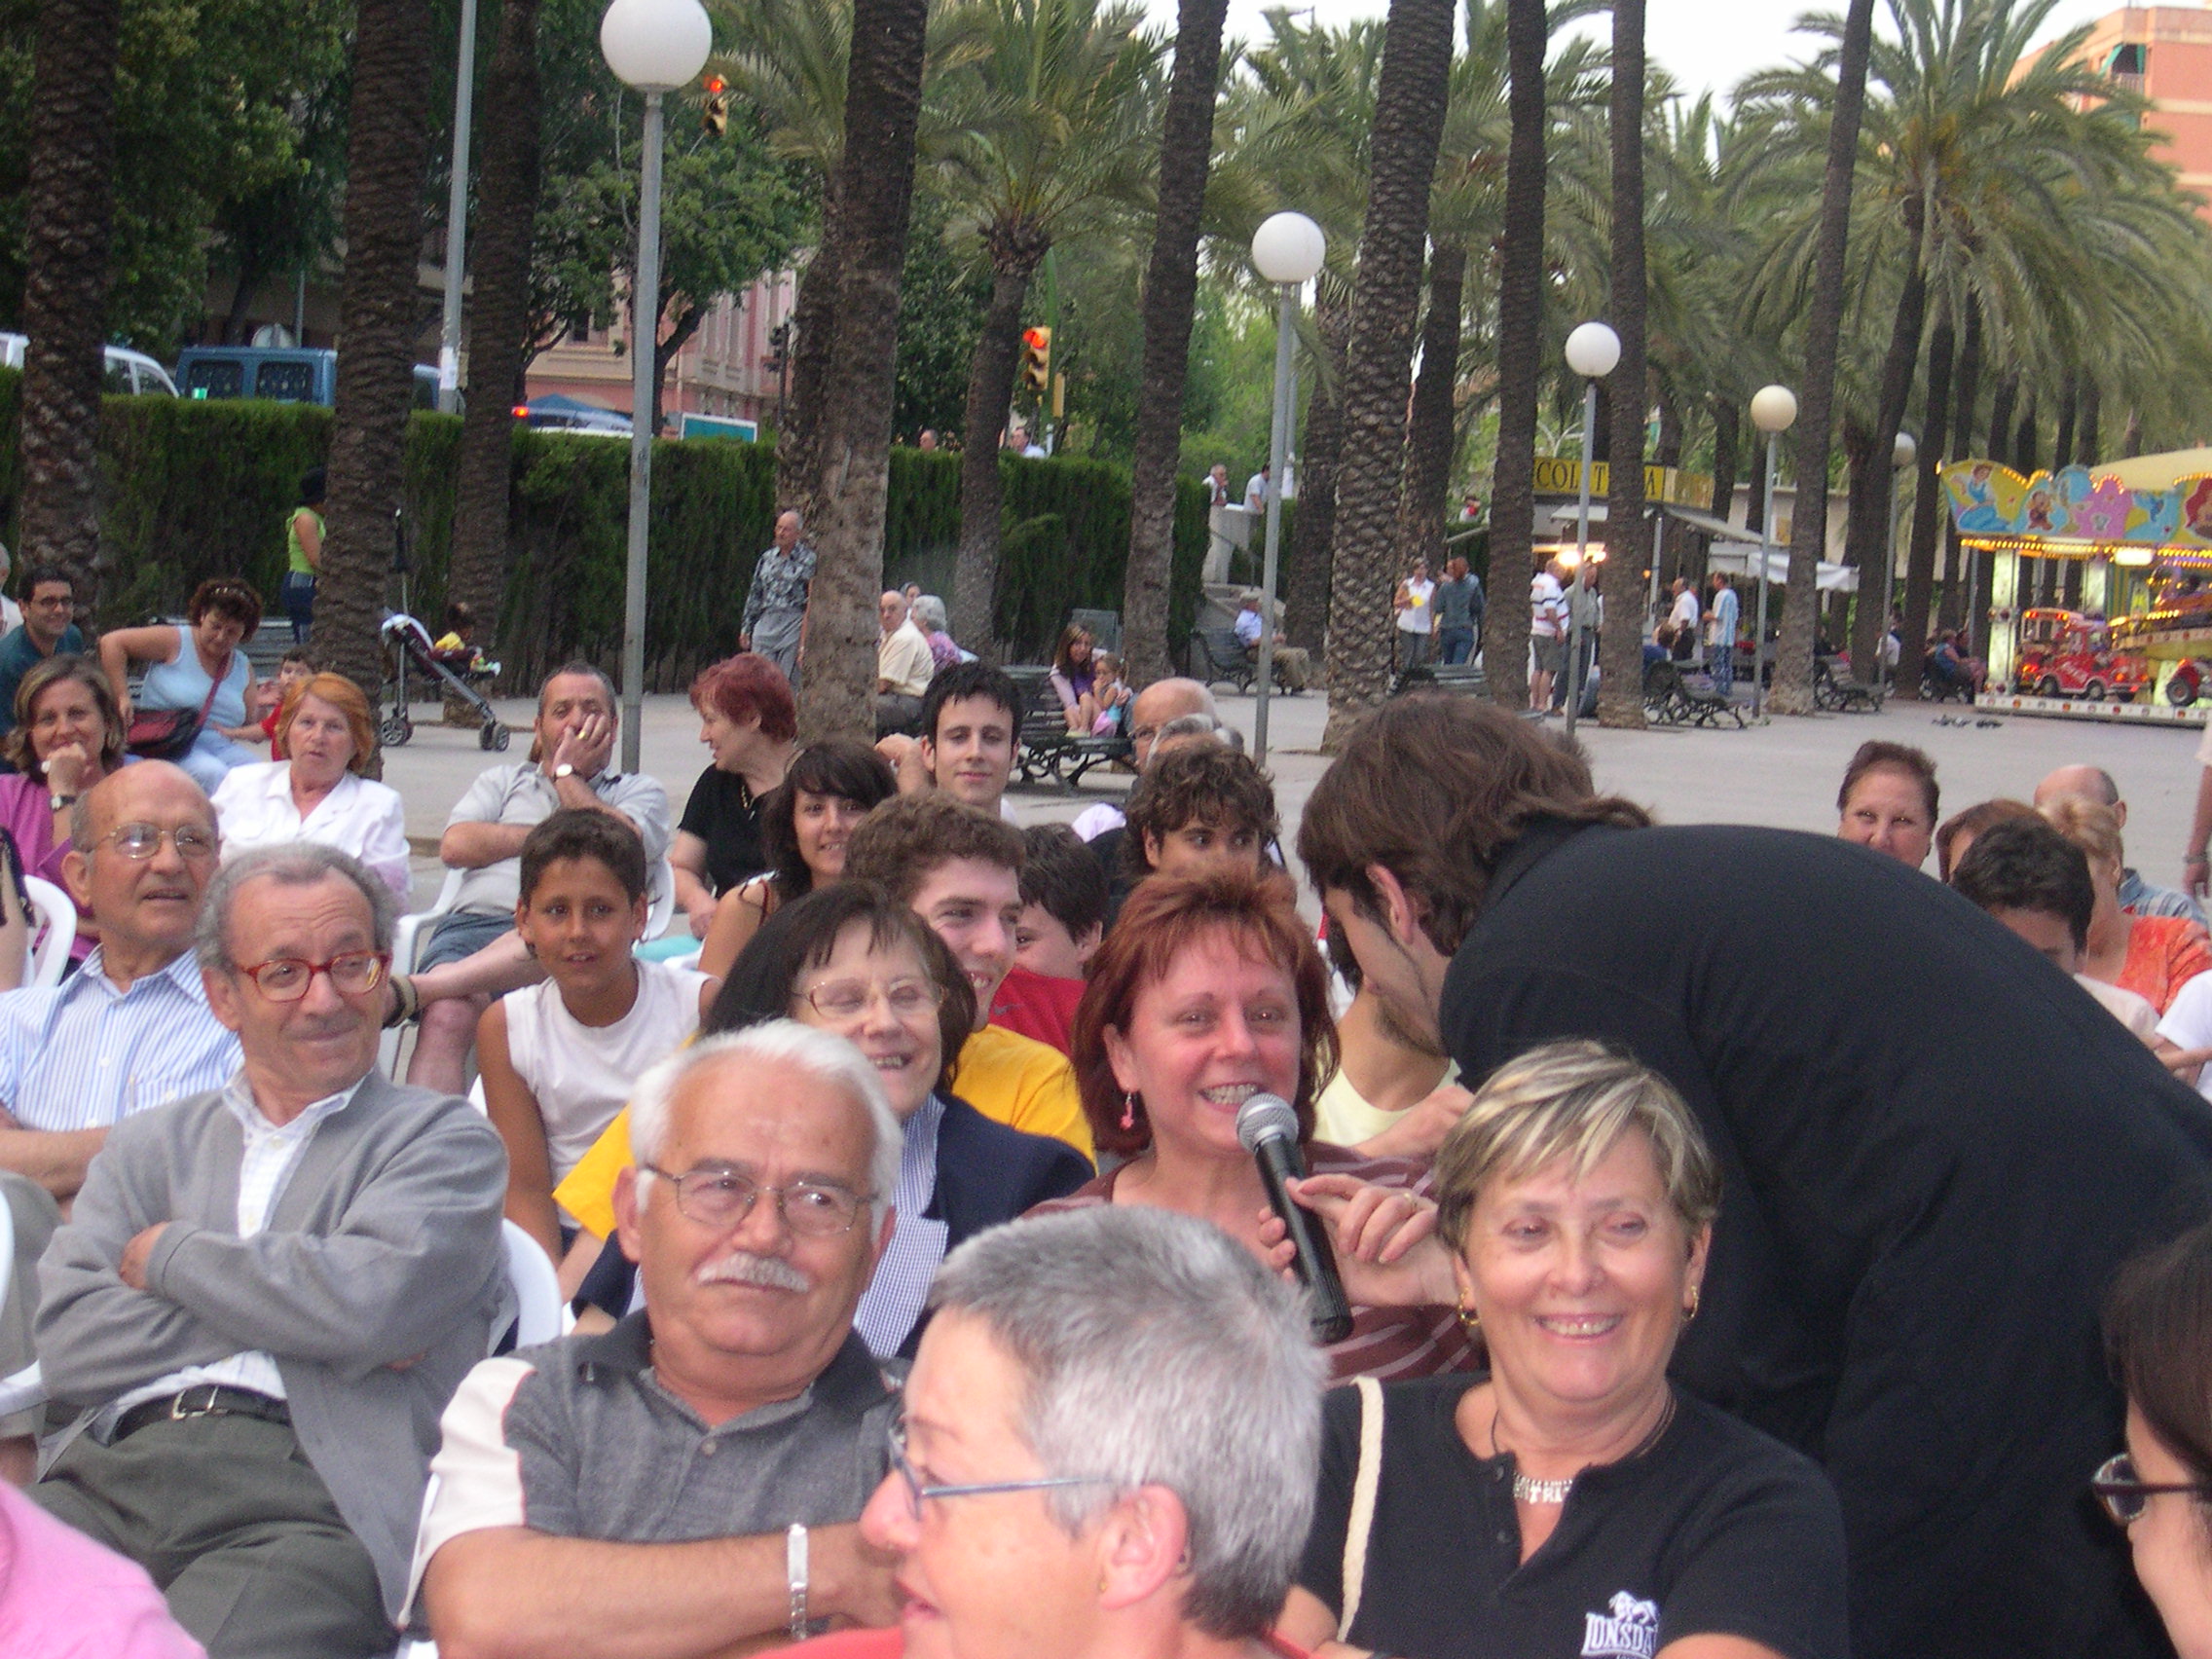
pixel 299 557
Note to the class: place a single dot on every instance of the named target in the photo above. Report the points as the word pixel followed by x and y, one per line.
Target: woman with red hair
pixel 749 726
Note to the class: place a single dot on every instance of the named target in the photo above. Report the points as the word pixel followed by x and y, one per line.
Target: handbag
pixel 168 734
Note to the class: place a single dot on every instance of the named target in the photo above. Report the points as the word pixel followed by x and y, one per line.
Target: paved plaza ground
pixel 1783 774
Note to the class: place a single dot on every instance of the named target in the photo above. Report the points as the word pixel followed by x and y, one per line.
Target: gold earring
pixel 1690 1313
pixel 1470 1321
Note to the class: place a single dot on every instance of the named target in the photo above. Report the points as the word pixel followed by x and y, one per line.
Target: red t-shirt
pixel 892 1644
pixel 1038 1006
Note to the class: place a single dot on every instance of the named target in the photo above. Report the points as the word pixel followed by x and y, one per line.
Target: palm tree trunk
pixel 990 389
pixel 1898 364
pixel 1312 532
pixel 1667 549
pixel 875 189
pixel 1816 396
pixel 1965 403
pixel 498 319
pixel 387 147
pixel 1429 431
pixel 1170 291
pixel 69 213
pixel 1520 328
pixel 1620 643
pixel 1410 95
pixel 798 449
pixel 1927 504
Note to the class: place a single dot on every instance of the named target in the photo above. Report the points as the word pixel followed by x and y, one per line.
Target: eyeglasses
pixel 849 999
pixel 721 1198
pixel 2126 1495
pixel 141 841
pixel 895 1433
pixel 285 978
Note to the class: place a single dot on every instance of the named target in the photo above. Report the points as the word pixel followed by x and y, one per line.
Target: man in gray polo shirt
pixel 736 1422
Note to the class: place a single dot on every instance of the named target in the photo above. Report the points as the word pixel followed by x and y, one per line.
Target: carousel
pixel 2100 593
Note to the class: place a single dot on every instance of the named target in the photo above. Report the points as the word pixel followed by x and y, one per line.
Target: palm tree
pixel 69 212
pixel 1171 280
pixel 1411 94
pixel 1519 330
pixel 1621 683
pixel 387 148
pixel 499 316
pixel 875 188
pixel 1052 122
pixel 1816 381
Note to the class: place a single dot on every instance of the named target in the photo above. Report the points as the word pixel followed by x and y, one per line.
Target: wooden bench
pixel 1836 689
pixel 1217 655
pixel 1049 752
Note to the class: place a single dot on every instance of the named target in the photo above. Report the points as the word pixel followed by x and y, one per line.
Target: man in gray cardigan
pixel 267 1293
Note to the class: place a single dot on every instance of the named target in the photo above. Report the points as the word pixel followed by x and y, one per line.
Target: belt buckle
pixel 179 1409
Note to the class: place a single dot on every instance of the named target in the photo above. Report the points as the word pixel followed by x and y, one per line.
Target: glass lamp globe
pixel 1593 349
pixel 1288 248
pixel 1774 408
pixel 656 45
pixel 1906 450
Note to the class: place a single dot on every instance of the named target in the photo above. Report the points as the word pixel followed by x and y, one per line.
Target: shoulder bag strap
pixel 1361 1521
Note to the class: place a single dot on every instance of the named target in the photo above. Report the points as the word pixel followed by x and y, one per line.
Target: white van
pixel 129 372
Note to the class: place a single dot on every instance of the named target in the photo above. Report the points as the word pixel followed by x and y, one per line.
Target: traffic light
pixel 780 339
pixel 1037 360
pixel 715 106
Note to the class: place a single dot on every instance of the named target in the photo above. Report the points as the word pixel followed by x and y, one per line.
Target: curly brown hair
pixel 907 836
pixel 1198 782
pixel 1166 916
pixel 226 596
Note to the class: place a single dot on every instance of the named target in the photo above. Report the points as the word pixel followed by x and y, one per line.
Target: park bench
pixel 1836 689
pixel 1460 677
pixel 1217 655
pixel 1670 699
pixel 1049 752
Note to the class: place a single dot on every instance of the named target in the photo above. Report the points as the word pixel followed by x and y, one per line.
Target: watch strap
pixel 795 1569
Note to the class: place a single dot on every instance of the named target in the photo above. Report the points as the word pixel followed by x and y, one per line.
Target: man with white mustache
pixel 735 1425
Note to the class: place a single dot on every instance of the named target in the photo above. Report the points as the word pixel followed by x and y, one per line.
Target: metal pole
pixel 645 336
pixel 457 215
pixel 1583 559
pixel 1766 549
pixel 1889 579
pixel 1278 451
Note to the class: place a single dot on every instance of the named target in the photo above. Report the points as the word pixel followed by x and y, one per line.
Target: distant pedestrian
pixel 927 442
pixel 1547 632
pixel 775 604
pixel 1685 615
pixel 1721 634
pixel 1416 620
pixel 303 550
pixel 1459 613
pixel 1256 491
pixel 1217 485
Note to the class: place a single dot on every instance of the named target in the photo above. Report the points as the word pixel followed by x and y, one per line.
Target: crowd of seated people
pixel 924 1296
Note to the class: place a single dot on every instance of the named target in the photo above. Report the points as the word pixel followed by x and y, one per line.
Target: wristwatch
pixel 59 802
pixel 563 770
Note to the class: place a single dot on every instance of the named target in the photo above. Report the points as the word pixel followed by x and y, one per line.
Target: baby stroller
pixel 409 641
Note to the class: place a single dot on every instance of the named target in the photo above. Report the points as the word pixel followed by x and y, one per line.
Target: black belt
pixel 209 1399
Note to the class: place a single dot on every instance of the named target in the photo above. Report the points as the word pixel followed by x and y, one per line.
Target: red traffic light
pixel 1037 339
pixel 715 83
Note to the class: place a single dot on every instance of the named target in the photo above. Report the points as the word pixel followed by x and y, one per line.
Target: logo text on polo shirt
pixel 1628 1629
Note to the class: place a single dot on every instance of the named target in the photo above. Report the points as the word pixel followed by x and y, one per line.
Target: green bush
pixel 192 490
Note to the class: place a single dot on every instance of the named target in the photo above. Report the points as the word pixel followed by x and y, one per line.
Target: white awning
pixel 1739 558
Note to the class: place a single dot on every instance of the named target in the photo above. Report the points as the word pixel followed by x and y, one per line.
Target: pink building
pixel 725 368
pixel 2165 53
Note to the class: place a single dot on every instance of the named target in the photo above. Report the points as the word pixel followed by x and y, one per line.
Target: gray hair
pixel 831 1061
pixel 1201 725
pixel 1160 1352
pixel 581 669
pixel 294 863
pixel 928 610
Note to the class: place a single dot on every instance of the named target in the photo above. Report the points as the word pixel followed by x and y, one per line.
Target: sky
pixel 1705 45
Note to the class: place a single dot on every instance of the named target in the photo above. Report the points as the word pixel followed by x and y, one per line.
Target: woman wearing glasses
pixel 2159 1334
pixel 854 961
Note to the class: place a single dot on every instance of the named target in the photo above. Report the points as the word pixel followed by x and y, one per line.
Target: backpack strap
pixel 1365 1481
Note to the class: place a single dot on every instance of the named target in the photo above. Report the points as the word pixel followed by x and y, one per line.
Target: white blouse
pixel 254 808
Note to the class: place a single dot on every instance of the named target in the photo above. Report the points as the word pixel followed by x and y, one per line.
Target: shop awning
pixel 1739 558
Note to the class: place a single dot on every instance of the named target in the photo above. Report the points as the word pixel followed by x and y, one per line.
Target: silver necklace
pixel 1527 1489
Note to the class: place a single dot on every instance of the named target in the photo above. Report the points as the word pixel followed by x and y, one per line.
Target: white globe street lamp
pixel 1774 411
pixel 1287 250
pixel 1593 350
pixel 653 46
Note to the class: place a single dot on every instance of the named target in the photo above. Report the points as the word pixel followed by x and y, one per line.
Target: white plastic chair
pixel 26 1388
pixel 541 1313
pixel 53 929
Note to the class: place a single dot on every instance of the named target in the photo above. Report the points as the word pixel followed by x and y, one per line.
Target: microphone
pixel 1268 1126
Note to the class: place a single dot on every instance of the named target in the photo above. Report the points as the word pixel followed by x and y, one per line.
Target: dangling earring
pixel 1130 1110
pixel 1690 1313
pixel 1470 1321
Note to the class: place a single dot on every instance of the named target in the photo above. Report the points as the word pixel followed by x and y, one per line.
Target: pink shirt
pixel 65 1597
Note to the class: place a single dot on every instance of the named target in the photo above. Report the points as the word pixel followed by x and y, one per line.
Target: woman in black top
pixel 749 726
pixel 1570 1503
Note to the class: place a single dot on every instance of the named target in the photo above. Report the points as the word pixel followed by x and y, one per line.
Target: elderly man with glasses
pixel 735 1425
pixel 267 1292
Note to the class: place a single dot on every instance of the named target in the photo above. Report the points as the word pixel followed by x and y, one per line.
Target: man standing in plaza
pixel 1547 633
pixel 1720 635
pixel 1684 615
pixel 1458 606
pixel 775 604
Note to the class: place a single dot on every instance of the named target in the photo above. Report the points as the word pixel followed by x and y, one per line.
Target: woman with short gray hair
pixel 1575 1201
pixel 1107 1448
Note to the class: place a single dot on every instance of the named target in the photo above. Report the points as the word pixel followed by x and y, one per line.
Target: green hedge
pixel 193 490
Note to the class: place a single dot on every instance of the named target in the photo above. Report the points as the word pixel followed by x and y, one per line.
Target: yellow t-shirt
pixel 1342 1116
pixel 1021 1082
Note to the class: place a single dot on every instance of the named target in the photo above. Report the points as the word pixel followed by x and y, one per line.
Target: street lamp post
pixel 1904 452
pixel 1774 409
pixel 1287 250
pixel 1592 351
pixel 653 46
pixel 456 215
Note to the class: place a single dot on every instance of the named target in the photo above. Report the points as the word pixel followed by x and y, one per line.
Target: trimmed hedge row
pixel 192 490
